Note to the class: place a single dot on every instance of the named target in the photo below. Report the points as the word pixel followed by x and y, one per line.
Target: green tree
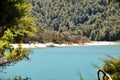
pixel 15 23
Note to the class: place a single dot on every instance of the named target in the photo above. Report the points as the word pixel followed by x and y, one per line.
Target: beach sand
pixel 42 45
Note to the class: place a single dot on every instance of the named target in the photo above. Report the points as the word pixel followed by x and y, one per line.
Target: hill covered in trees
pixel 94 19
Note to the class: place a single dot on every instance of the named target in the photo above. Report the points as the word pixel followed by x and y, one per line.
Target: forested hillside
pixel 94 19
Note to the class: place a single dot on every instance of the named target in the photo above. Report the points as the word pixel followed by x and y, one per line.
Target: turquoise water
pixel 62 63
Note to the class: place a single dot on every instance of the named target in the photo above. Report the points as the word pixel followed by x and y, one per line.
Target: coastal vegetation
pixel 112 66
pixel 57 21
pixel 66 21
pixel 93 19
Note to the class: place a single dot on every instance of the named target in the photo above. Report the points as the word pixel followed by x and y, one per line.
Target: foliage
pixel 8 36
pixel 81 78
pixel 63 37
pixel 16 55
pixel 15 17
pixel 94 19
pixel 15 24
pixel 112 67
pixel 17 78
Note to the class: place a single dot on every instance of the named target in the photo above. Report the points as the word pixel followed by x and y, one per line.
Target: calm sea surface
pixel 62 63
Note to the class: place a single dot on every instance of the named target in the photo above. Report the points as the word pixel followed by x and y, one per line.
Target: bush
pixel 112 67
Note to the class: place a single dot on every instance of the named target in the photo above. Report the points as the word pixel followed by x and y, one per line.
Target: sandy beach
pixel 100 43
pixel 41 45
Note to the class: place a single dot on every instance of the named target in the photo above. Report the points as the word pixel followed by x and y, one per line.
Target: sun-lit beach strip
pixel 44 45
pixel 100 43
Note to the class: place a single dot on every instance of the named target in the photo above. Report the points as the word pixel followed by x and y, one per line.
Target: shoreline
pixel 44 45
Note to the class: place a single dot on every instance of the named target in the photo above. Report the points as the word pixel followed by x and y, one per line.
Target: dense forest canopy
pixel 94 19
